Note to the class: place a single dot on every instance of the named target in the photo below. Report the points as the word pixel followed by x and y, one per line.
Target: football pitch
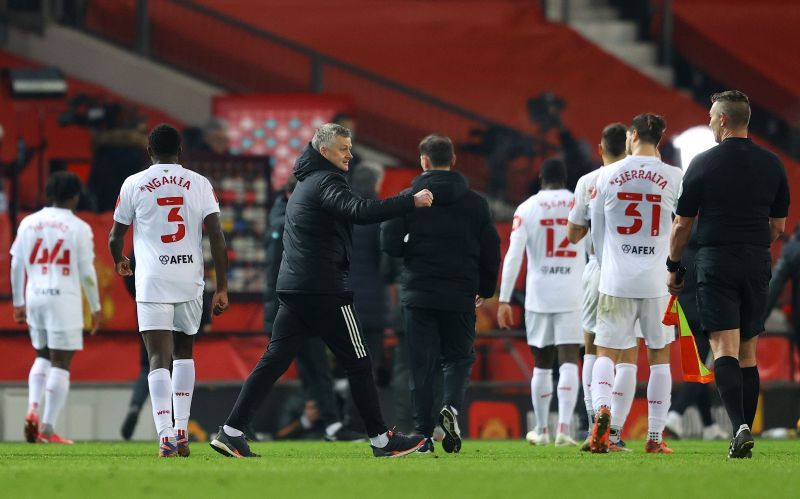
pixel 500 470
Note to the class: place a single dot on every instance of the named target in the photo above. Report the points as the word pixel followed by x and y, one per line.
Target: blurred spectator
pixel 211 139
pixel 313 366
pixel 118 154
pixel 370 292
pixel 787 269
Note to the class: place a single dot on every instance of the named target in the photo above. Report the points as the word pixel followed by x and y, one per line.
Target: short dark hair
pixel 164 140
pixel 553 171
pixel 439 148
pixel 650 127
pixel 735 105
pixel 613 139
pixel 62 186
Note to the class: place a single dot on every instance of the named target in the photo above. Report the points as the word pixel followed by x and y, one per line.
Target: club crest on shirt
pixel 516 223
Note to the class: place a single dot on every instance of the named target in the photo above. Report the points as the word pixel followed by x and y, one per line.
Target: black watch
pixel 673 266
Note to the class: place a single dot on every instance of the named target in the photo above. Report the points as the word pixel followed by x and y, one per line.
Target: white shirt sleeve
pixel 579 214
pixel 513 259
pixel 209 201
pixel 124 211
pixel 18 280
pixel 86 269
pixel 598 218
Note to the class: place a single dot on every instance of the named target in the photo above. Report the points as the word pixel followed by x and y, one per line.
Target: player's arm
pixel 219 253
pixel 597 215
pixel 780 206
pixel 88 277
pixel 116 241
pixel 576 232
pixel 577 226
pixel 511 266
pixel 18 288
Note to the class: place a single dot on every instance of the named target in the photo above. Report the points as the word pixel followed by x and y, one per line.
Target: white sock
pixel 161 397
pixel 567 395
pixel 380 441
pixel 622 397
pixel 231 431
pixel 586 379
pixel 37 378
pixel 541 395
pixel 602 382
pixel 332 428
pixel 55 395
pixel 659 388
pixel 182 390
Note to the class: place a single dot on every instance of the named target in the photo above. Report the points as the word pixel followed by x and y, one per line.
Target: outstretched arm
pixel 337 198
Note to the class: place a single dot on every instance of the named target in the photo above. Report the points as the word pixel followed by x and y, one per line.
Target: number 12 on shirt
pixel 561 252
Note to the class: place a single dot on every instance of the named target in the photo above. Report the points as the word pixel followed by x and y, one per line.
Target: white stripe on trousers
pixel 352 330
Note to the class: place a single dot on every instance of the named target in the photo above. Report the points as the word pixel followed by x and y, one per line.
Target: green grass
pixel 500 470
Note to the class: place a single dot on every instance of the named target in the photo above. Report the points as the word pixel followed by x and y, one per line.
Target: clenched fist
pixel 423 199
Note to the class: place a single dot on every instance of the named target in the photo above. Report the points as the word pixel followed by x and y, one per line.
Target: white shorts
pixel 546 330
pixel 70 339
pixel 616 319
pixel 183 317
pixel 590 281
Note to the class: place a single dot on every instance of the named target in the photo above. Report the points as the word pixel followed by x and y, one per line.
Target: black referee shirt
pixel 736 187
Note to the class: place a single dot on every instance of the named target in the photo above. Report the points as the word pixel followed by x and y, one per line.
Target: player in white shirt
pixel 631 215
pixel 55 250
pixel 168 206
pixel 614 146
pixel 552 298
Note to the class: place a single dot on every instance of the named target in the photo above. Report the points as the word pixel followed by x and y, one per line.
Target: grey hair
pixel 366 177
pixel 326 135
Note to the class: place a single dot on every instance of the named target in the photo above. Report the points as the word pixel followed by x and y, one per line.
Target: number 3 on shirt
pixel 632 211
pixel 173 216
pixel 551 234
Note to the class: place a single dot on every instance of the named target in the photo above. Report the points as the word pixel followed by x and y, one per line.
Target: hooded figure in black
pixel 451 260
pixel 312 292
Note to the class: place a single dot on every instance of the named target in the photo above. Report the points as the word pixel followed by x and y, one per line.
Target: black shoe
pixel 399 445
pixel 129 424
pixel 230 446
pixel 344 434
pixel 427 447
pixel 741 444
pixel 452 435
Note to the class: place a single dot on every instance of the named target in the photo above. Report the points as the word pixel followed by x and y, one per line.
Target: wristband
pixel 673 266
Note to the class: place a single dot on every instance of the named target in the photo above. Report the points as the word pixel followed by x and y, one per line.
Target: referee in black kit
pixel 313 297
pixel 740 193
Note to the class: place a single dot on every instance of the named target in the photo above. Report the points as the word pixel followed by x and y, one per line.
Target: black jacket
pixel 274 242
pixel 370 291
pixel 318 236
pixel 451 252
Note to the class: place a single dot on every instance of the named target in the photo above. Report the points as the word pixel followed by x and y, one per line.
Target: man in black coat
pixel 312 359
pixel 452 257
pixel 312 292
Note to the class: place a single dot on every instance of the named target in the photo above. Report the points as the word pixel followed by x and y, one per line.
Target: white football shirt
pixel 55 249
pixel 555 266
pixel 167 205
pixel 631 221
pixel 579 214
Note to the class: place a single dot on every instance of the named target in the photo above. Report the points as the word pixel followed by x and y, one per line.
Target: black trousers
pixel 315 375
pixel 438 340
pixel 300 317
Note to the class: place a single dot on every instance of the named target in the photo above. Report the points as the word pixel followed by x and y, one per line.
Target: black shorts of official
pixel 732 285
